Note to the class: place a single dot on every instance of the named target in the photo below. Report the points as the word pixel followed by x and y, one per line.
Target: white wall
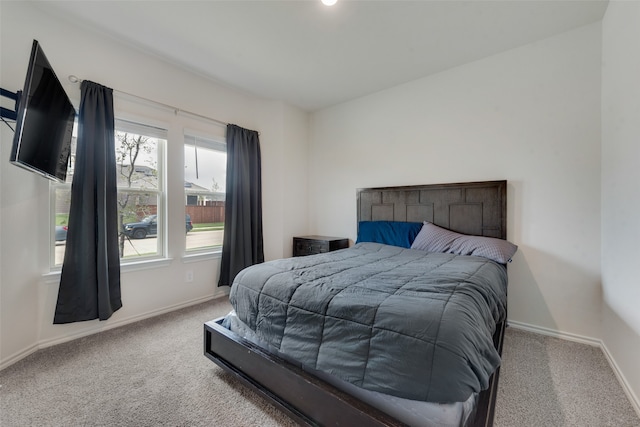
pixel 27 299
pixel 531 116
pixel 621 188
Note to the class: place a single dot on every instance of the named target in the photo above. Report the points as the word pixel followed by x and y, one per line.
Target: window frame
pixel 161 134
pixel 144 129
pixel 208 141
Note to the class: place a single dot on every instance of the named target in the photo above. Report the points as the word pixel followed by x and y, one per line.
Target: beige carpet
pixel 151 373
pixel 547 381
pixel 154 373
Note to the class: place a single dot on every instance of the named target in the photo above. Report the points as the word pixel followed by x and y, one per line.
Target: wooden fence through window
pixel 211 212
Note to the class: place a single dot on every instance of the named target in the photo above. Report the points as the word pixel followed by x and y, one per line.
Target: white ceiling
pixel 314 56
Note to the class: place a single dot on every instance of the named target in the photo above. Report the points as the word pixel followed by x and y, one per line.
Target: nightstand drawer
pixel 311 245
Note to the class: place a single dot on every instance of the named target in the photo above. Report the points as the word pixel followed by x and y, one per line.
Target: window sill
pixel 145 264
pixel 200 256
pixel 54 275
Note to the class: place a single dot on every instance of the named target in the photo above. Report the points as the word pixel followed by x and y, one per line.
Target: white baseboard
pixel 635 402
pixel 554 333
pixel 16 357
pixel 121 322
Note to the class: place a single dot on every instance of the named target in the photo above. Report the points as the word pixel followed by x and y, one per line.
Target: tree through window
pixel 139 171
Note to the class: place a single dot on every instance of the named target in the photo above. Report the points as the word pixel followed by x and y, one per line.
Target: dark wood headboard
pixel 476 208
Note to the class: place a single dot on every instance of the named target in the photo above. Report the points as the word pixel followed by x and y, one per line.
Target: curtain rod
pixel 74 79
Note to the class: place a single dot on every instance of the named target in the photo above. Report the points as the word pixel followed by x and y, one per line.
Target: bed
pixel 392 331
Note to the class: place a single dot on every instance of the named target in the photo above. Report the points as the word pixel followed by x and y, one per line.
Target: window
pixel 61 201
pixel 139 169
pixel 205 168
pixel 140 189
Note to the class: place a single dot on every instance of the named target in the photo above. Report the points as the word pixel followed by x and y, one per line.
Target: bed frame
pixel 477 208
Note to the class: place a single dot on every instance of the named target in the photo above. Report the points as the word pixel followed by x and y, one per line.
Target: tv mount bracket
pixel 5 112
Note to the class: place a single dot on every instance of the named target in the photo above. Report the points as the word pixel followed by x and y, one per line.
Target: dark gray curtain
pixel 90 281
pixel 242 244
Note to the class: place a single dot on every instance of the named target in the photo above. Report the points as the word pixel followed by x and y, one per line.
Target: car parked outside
pixel 61 233
pixel 189 224
pixel 148 226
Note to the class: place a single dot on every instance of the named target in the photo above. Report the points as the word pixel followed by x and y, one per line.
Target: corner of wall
pixel 621 346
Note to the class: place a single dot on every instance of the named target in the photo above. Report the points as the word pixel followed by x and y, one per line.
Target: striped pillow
pixel 432 238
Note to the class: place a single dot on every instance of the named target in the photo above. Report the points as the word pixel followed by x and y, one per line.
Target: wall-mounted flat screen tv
pixel 44 124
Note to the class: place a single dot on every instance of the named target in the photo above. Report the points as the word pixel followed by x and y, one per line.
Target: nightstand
pixel 309 245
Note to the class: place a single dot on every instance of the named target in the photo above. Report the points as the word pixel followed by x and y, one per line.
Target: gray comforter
pixel 413 324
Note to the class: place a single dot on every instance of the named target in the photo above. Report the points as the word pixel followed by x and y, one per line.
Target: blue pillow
pixel 388 232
